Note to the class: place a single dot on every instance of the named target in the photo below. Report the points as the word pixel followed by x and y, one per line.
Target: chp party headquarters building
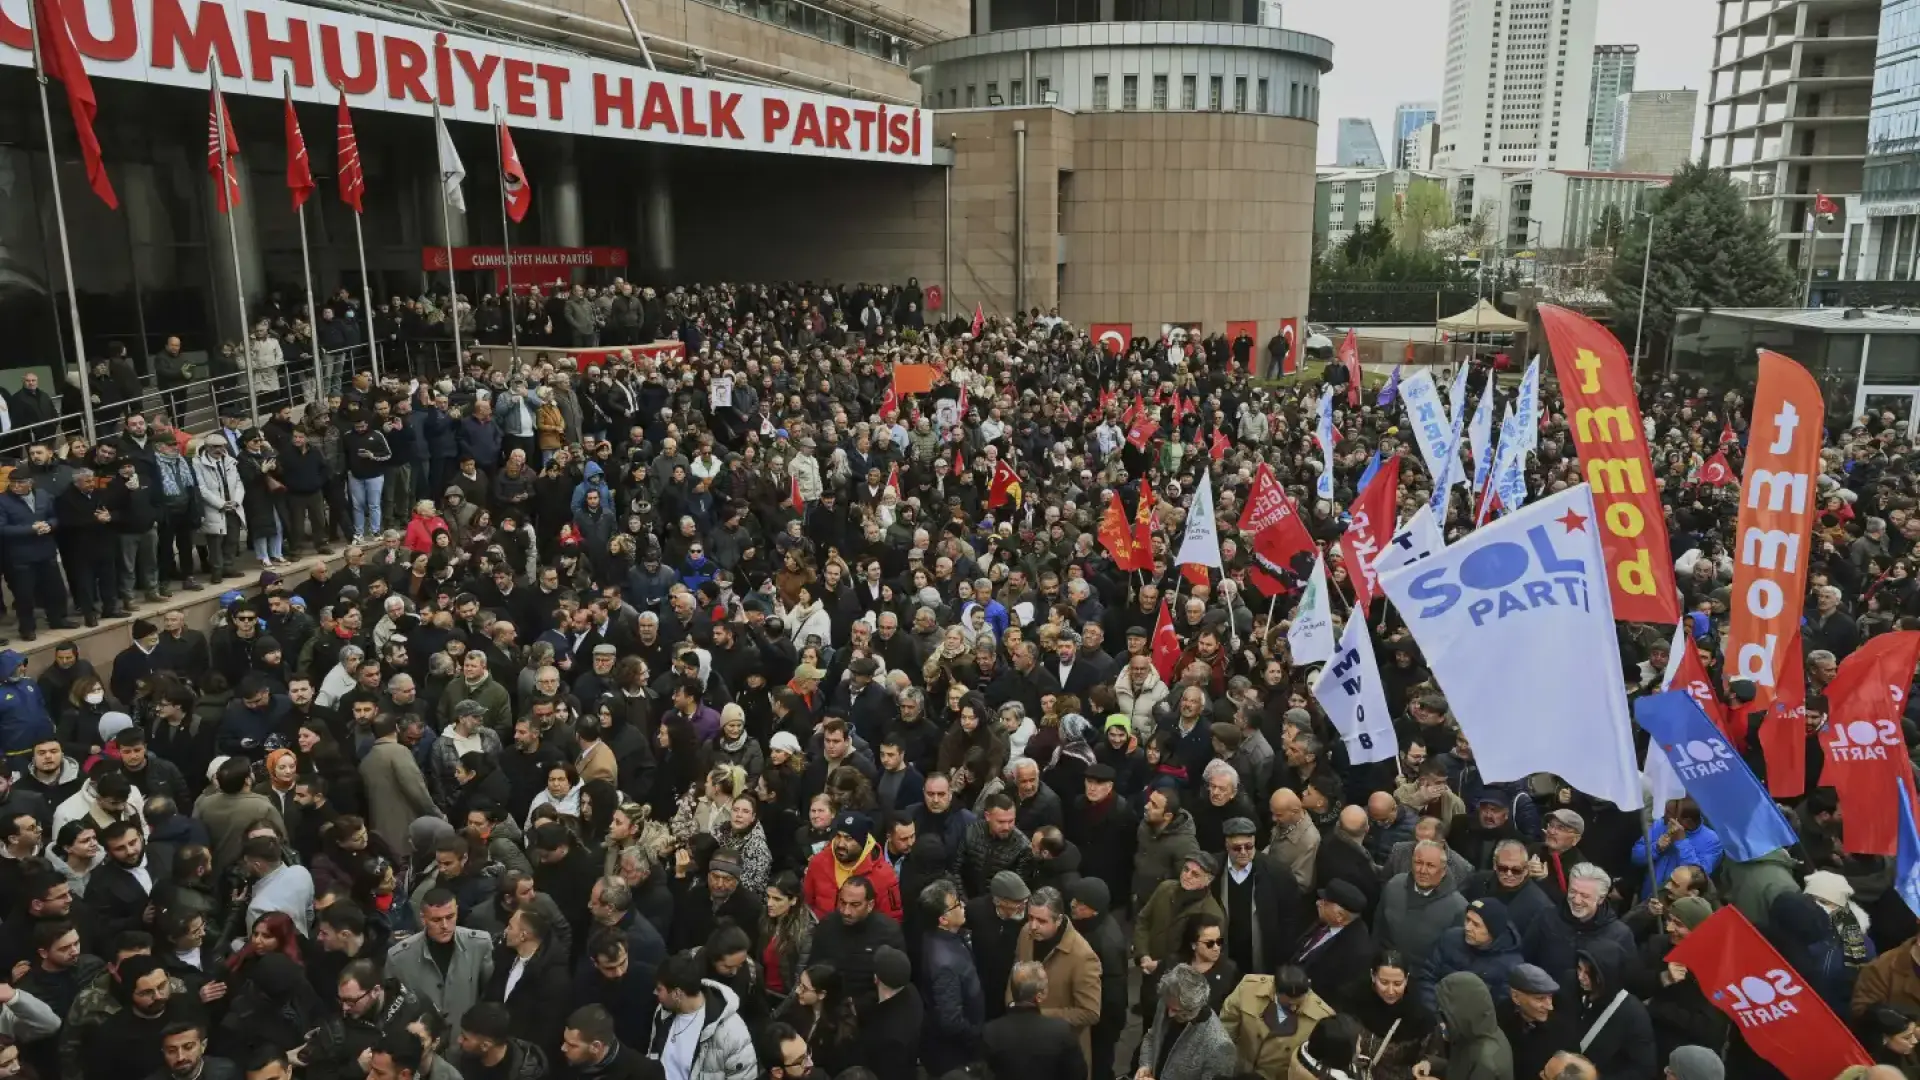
pixel 1133 162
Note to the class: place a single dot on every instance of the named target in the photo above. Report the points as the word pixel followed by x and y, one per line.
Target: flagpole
pixel 506 234
pixel 1813 233
pixel 366 288
pixel 233 239
pixel 446 225
pixel 306 270
pixel 60 218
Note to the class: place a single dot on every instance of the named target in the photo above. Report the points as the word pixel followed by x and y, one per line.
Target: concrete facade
pixel 1653 130
pixel 1519 75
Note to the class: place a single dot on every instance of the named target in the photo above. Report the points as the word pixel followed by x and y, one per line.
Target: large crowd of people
pixel 651 730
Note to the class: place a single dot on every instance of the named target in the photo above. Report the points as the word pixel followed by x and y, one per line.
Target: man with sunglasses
pixel 1260 899
pixel 1508 882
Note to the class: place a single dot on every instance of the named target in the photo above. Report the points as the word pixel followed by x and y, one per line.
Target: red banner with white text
pixel 1604 413
pixel 1863 744
pixel 1778 1015
pixel 1775 530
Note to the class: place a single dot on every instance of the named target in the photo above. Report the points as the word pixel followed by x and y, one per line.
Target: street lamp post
pixel 1646 273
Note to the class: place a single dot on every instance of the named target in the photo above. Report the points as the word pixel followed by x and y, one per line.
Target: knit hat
pixel 1007 885
pixel 854 825
pixel 892 967
pixel 1692 910
pixel 112 724
pixel 723 863
pixel 785 741
pixel 1493 913
pixel 1117 720
pixel 1695 1063
pixel 1829 887
pixel 1093 892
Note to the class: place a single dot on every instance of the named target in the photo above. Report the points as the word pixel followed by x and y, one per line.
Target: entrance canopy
pixel 1482 318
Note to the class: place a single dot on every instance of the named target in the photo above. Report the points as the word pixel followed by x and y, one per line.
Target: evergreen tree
pixel 1708 252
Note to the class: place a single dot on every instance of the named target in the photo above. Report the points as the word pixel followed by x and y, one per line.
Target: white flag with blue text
pixel 1349 689
pixel 1432 430
pixel 1527 406
pixel 1457 396
pixel 1310 634
pixel 1480 439
pixel 1323 433
pixel 1418 539
pixel 1516 623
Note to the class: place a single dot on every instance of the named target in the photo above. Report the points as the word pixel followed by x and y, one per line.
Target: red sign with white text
pixel 1783 1020
pixel 394 67
pixel 1864 745
pixel 434 259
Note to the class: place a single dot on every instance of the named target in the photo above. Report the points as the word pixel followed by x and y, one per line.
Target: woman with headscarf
pixel 1066 770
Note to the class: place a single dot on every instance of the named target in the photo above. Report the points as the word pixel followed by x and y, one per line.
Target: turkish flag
pixel 1824 206
pixel 979 322
pixel 299 171
pixel 890 402
pixel 60 61
pixel 1350 357
pixel 1217 446
pixel 1865 748
pixel 1290 333
pixel 893 480
pixel 1273 520
pixel 513 179
pixel 1112 337
pixel 1727 437
pixel 1370 525
pixel 1166 644
pixel 1715 472
pixel 793 496
pixel 1778 1015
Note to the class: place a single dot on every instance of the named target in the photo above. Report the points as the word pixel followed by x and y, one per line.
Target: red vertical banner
pixel 1775 530
pixel 1290 334
pixel 1778 1015
pixel 1783 732
pixel 1350 358
pixel 1864 746
pixel 1370 525
pixel 1604 413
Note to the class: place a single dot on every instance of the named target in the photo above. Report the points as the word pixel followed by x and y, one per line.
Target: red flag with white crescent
pixel 893 479
pixel 513 179
pixel 793 496
pixel 1715 471
pixel 1166 644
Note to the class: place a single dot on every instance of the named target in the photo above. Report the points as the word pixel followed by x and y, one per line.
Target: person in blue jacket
pixel 1681 839
pixel 28 523
pixel 23 713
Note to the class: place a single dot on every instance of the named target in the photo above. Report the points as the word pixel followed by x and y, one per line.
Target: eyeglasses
pixel 1245 845
pixel 1207 943
pixel 1504 871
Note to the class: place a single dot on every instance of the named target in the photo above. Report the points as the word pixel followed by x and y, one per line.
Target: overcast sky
pixel 1389 51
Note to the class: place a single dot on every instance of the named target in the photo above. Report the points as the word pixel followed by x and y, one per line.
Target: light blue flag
pixel 1743 815
pixel 1323 432
pixel 1391 390
pixel 1513 615
pixel 1373 468
pixel 1480 439
pixel 1450 471
pixel 1906 876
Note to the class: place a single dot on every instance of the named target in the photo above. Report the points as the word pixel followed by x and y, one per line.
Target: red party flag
pixel 1783 733
pixel 1370 525
pixel 893 479
pixel 1166 644
pixel 220 162
pixel 60 61
pixel 959 462
pixel 793 496
pixel 1692 676
pixel 1116 535
pixel 1350 357
pixel 1781 1019
pixel 513 179
pixel 1272 519
pixel 1217 446
pixel 1143 523
pixel 1865 748
pixel 353 182
pixel 979 320
pixel 299 171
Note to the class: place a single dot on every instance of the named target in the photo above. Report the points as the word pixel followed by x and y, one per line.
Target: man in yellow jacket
pixel 1269 1017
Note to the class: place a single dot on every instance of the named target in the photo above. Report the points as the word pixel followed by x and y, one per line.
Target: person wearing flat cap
pixel 1538 1019
pixel 851 852
pixel 1337 944
pixel 1259 899
pixel 1157 928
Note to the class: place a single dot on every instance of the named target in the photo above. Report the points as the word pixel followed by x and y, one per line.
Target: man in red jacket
pixel 852 851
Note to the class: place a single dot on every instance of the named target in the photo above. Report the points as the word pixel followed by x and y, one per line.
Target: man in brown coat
pixel 396 792
pixel 1891 979
pixel 1073 968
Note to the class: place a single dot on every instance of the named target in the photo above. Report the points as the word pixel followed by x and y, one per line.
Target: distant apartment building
pixel 1613 71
